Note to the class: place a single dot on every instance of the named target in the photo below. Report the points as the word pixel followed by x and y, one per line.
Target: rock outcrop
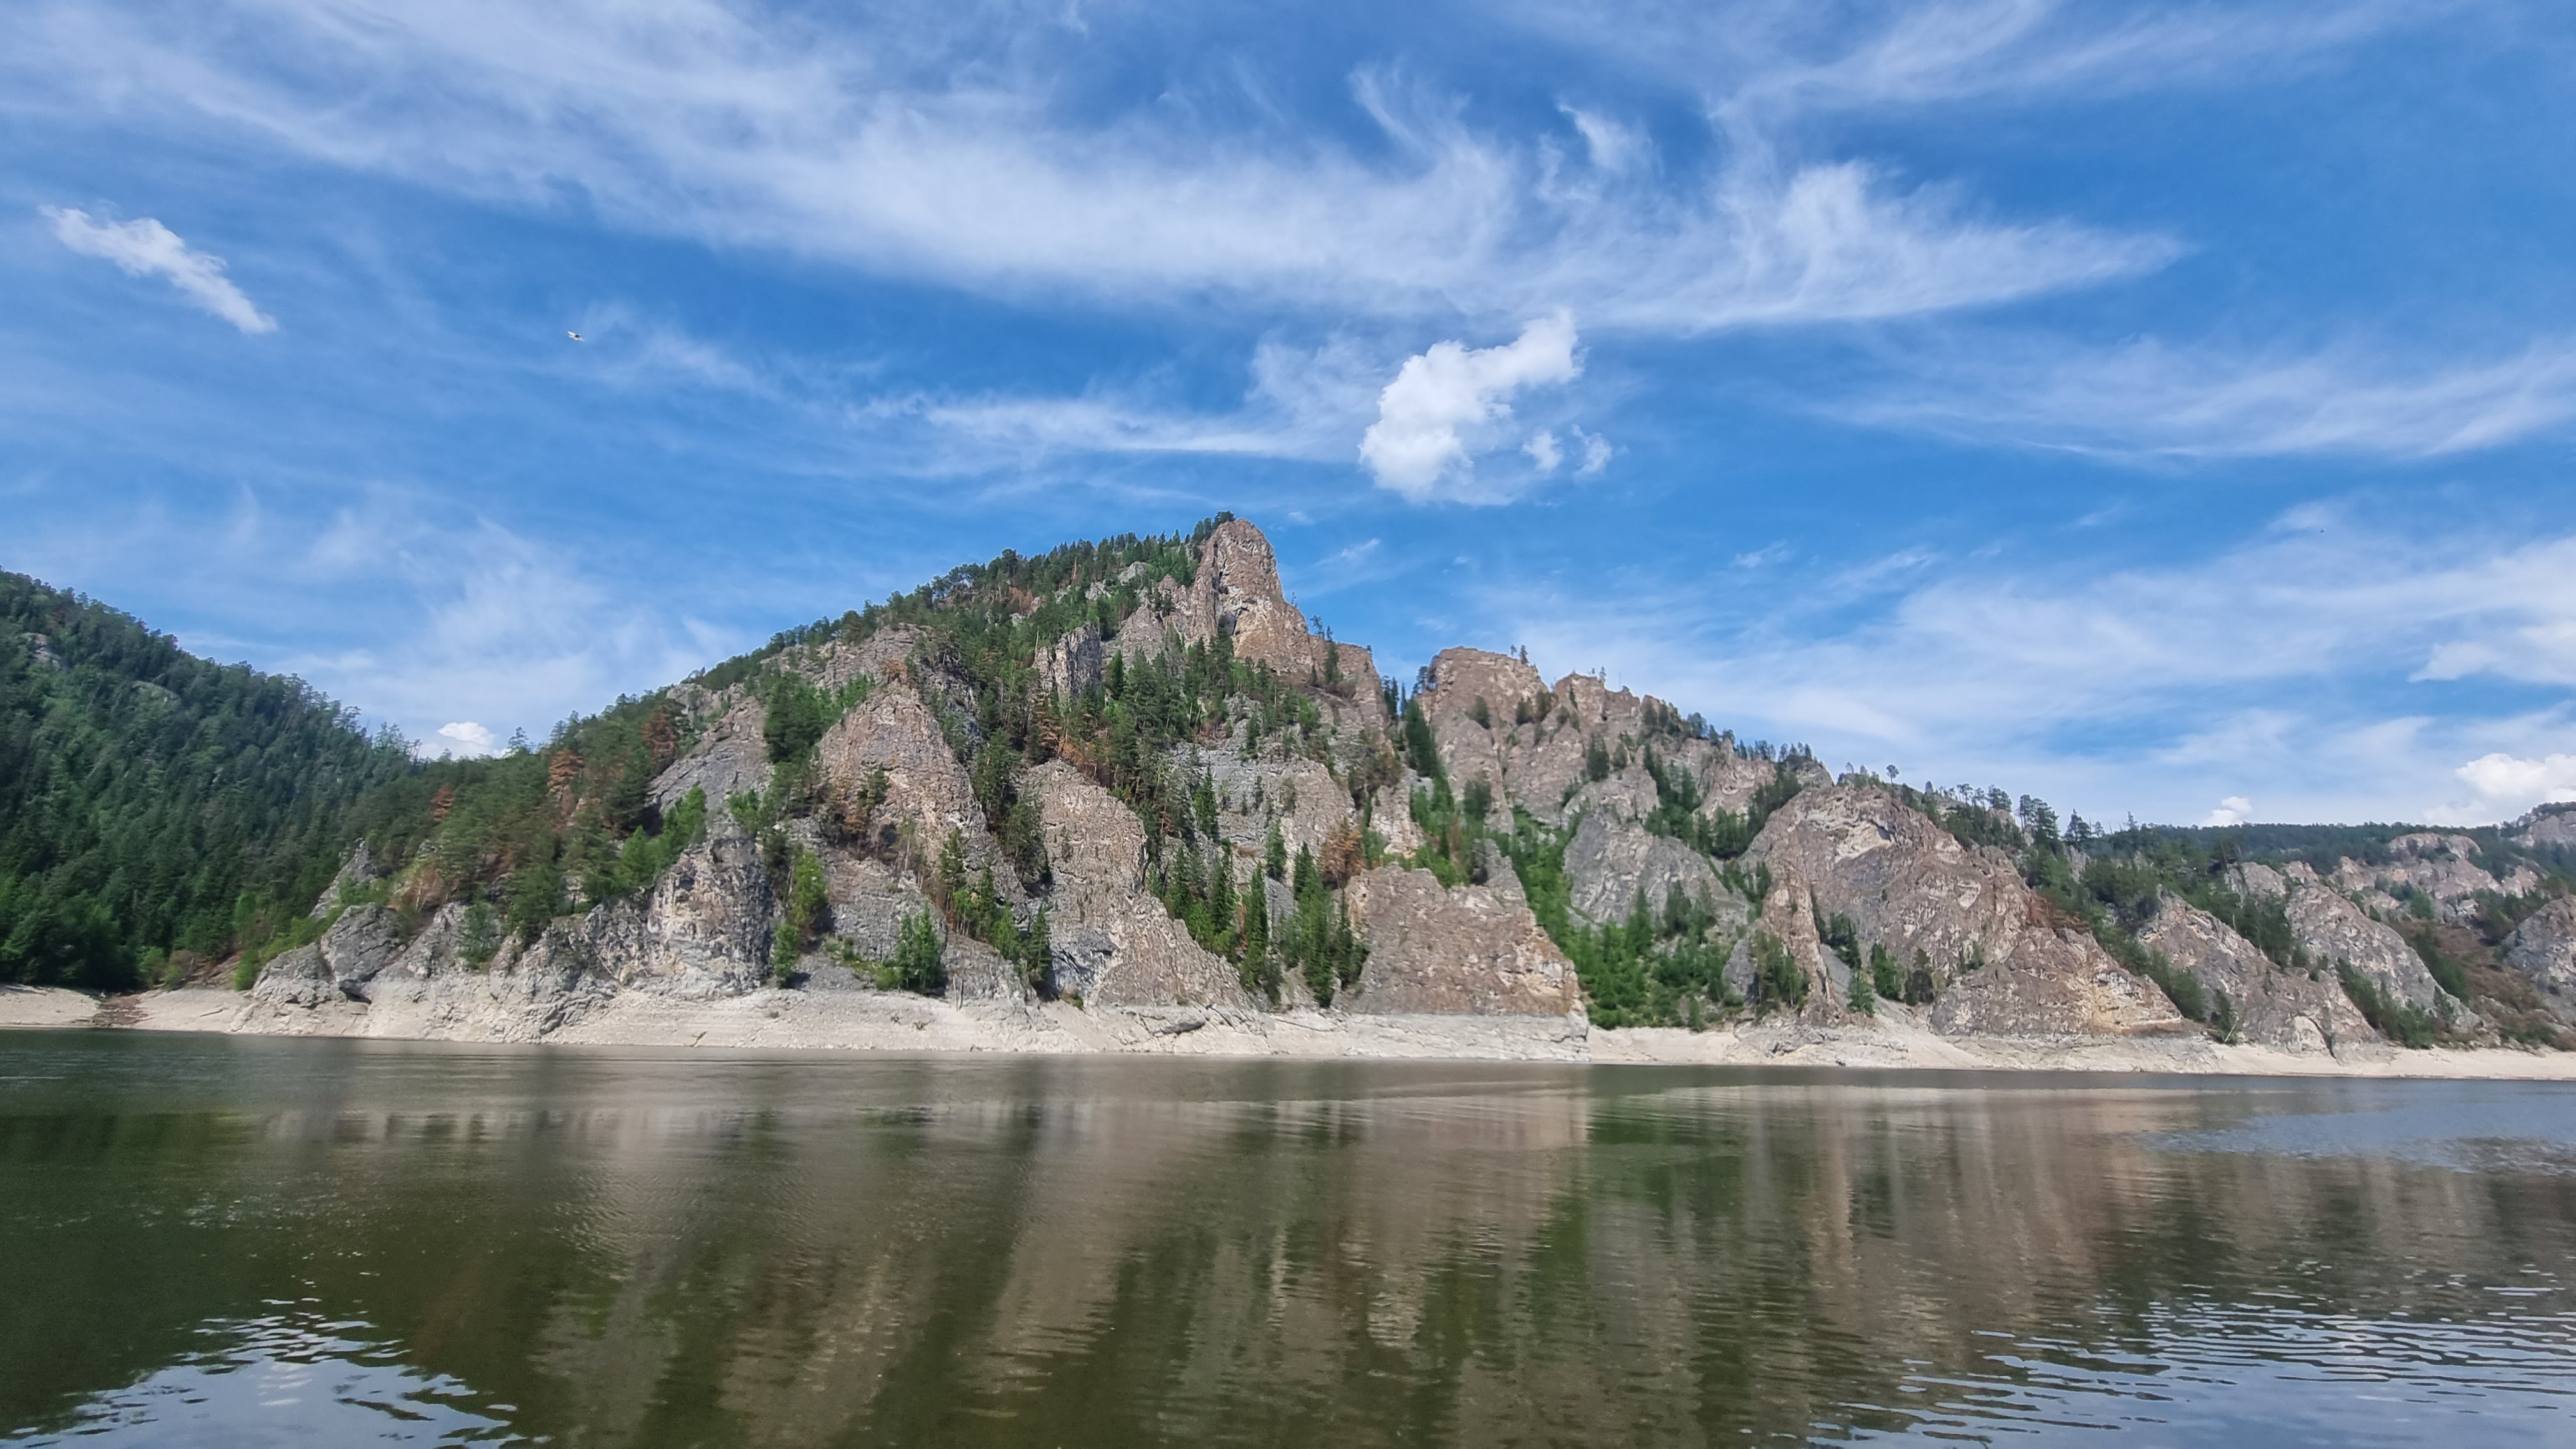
pixel 2004 961
pixel 894 776
pixel 1612 863
pixel 1467 949
pixel 2332 929
pixel 927 792
pixel 2438 866
pixel 1114 943
pixel 2551 827
pixel 2326 924
pixel 2543 948
pixel 2273 1006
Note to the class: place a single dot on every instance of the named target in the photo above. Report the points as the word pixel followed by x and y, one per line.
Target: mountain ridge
pixel 1127 775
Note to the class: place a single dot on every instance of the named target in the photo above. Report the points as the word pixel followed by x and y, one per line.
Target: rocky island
pixel 1124 797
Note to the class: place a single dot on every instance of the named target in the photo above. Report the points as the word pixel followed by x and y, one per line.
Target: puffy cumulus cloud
pixel 464 737
pixel 146 248
pixel 2508 784
pixel 1544 454
pixel 1443 406
pixel 2234 810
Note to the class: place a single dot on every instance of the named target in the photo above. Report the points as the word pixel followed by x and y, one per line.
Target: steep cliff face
pixel 2273 1006
pixel 1466 949
pixel 1115 945
pixel 1612 865
pixel 2543 947
pixel 701 934
pixel 1493 719
pixel 2004 960
pixel 2331 928
pixel 927 794
pixel 2441 867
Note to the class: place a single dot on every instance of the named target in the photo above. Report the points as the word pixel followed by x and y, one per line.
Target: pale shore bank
pixel 870 1021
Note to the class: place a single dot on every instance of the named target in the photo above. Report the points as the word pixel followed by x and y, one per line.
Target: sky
pixel 2167 410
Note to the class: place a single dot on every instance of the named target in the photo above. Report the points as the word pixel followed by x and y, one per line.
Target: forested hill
pixel 153 802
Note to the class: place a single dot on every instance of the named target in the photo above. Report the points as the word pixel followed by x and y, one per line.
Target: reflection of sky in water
pixel 2480 1128
pixel 2222 1374
pixel 290 1378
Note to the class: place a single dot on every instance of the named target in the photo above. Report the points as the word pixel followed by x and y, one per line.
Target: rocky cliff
pixel 1135 780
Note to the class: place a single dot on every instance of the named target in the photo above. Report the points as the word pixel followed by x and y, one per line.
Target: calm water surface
pixel 217 1241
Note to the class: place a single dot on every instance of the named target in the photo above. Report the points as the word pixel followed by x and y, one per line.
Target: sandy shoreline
pixel 868 1021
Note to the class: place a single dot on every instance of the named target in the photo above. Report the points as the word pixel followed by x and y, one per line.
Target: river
pixel 255 1241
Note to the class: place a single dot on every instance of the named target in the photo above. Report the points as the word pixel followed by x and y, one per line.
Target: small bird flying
pixel 575 336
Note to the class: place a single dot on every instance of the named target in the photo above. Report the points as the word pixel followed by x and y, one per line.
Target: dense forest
pixel 152 802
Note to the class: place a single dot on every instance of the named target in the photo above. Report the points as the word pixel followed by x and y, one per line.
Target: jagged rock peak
pixel 1237 593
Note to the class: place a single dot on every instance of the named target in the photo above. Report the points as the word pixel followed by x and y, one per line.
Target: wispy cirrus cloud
pixel 945 154
pixel 145 248
pixel 2151 400
pixel 1963 666
pixel 1763 58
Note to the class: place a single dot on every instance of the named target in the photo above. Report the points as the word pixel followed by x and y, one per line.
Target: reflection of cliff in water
pixel 679 1250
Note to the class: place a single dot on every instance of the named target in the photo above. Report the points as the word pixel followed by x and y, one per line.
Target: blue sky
pixel 2166 409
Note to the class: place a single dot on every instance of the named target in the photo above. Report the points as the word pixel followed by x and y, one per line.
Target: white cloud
pixel 1596 453
pixel 1612 146
pixel 1915 54
pixel 2296 659
pixel 2150 400
pixel 1543 452
pixel 1304 403
pixel 945 147
pixel 1351 566
pixel 465 738
pixel 2234 810
pixel 1434 415
pixel 2507 786
pixel 146 248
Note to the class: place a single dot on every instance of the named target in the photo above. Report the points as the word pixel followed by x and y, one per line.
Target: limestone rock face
pixel 2548 826
pixel 1466 950
pixel 1114 944
pixel 1074 663
pixel 361 944
pixel 2543 947
pixel 2257 882
pixel 703 932
pixel 2005 965
pixel 1235 591
pixel 1905 882
pixel 977 972
pixel 928 793
pixel 1788 916
pixel 1540 764
pixel 2333 929
pixel 729 759
pixel 869 897
pixel 2432 864
pixel 2275 1008
pixel 1300 794
pixel 357 872
pixel 838 662
pixel 1610 860
pixel 2055 983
